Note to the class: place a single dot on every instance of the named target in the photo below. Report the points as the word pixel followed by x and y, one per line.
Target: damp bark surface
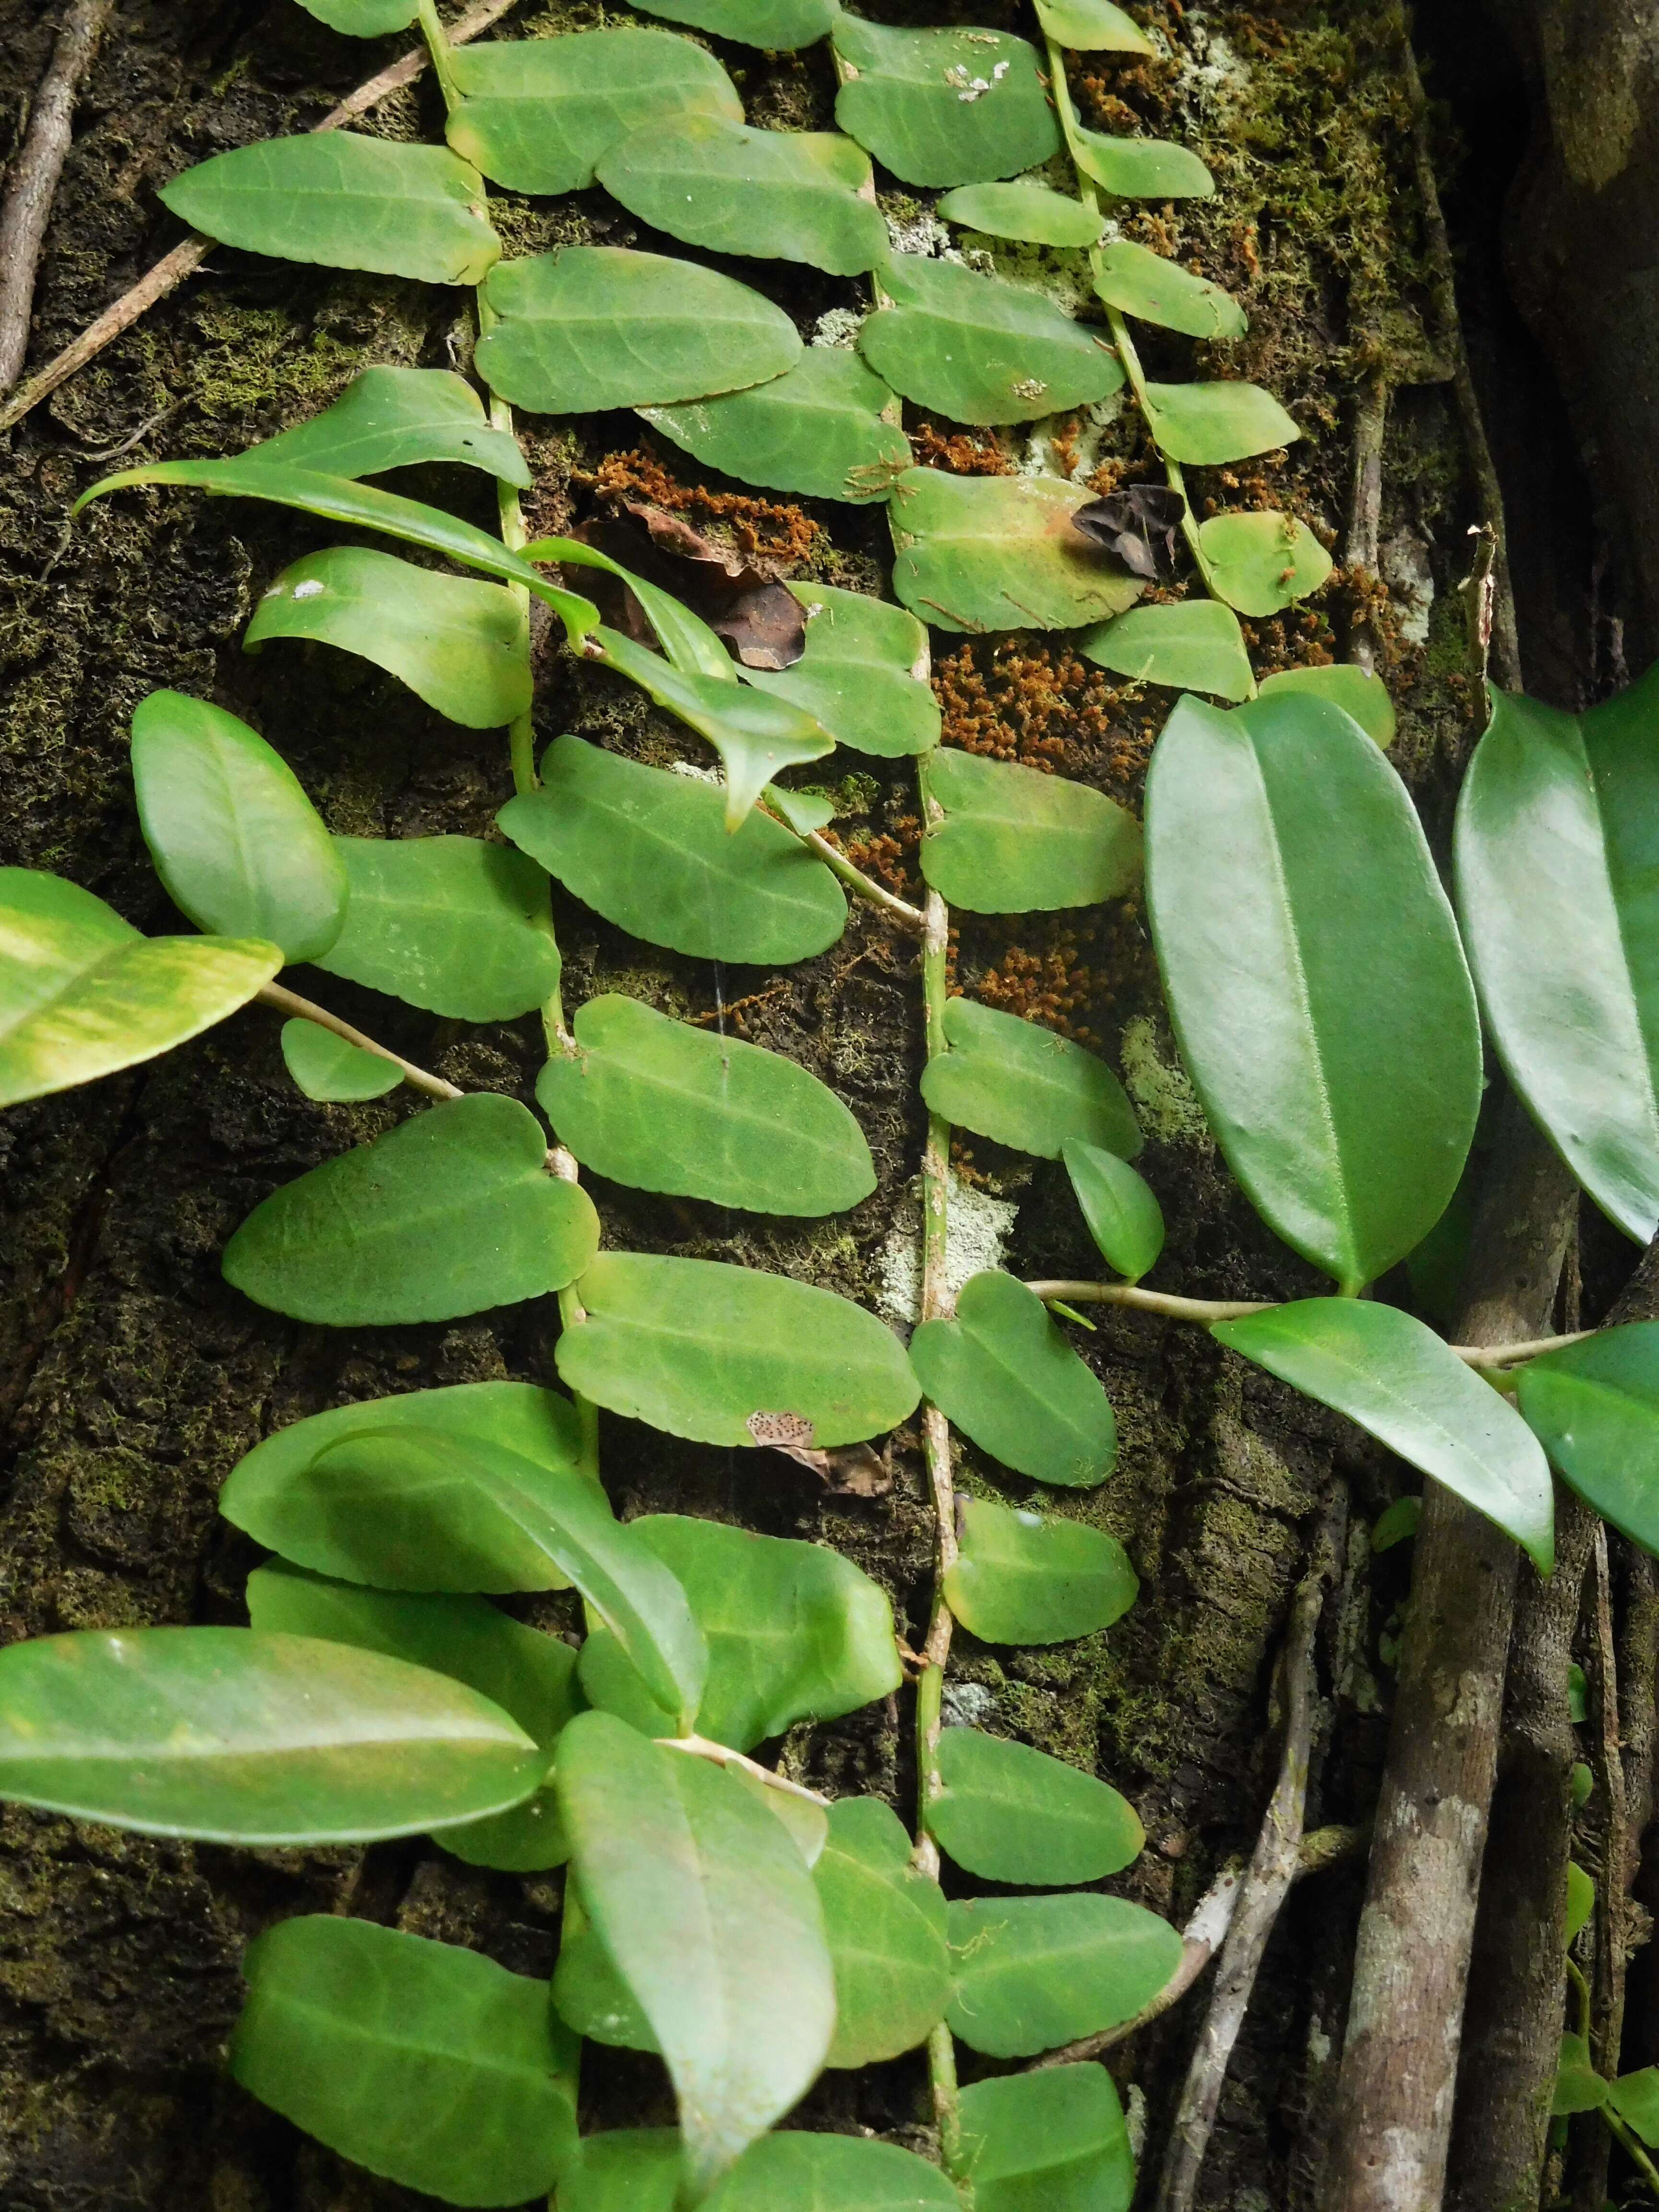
pixel 131 1378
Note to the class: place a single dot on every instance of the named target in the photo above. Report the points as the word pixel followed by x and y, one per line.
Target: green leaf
pixel 859 673
pixel 1023 1578
pixel 795 1631
pixel 1206 424
pixel 817 430
pixel 784 195
pixel 421 2060
pixel 1581 1900
pixel 1578 1695
pixel 450 1213
pixel 462 646
pixel 707 1351
pixel 596 326
pixel 1033 1973
pixel 450 924
pixel 1305 944
pixel 1141 168
pixel 886 1925
pixel 82 993
pixel 363 18
pixel 364 507
pixel 943 107
pixel 1635 2098
pixel 1595 1406
pixel 803 811
pixel 1557 829
pixel 799 2171
pixel 537 114
pixel 659 1105
pixel 326 1067
pixel 650 851
pixel 1581 1781
pixel 1398 1380
pixel 754 737
pixel 1137 282
pixel 1054 2139
pixel 1010 1814
pixel 1579 2086
pixel 393 418
pixel 1092 26
pixel 1397 1524
pixel 686 638
pixel 1023 1086
pixel 1262 563
pixel 625 2170
pixel 347 202
pixel 980 350
pixel 979 553
pixel 1005 1376
pixel 241 1738
pixel 707 1908
pixel 1358 691
pixel 239 847
pixel 1028 210
pixel 1191 645
pixel 1121 1214
pixel 591 1996
pixel 778 25
pixel 1016 839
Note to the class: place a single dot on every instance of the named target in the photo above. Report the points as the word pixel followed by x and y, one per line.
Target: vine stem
pixel 718 1754
pixel 299 1009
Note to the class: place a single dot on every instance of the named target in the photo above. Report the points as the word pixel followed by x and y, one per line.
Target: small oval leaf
pixel 818 430
pixel 394 418
pixel 1204 425
pixel 1122 1215
pixel 1033 1973
pixel 1595 1406
pixel 1010 1814
pixel 1141 168
pixel 1023 1086
pixel 1004 1373
pixel 329 1068
pixel 980 553
pixel 1190 645
pixel 1034 213
pixel 1024 1577
pixel 886 1921
pixel 943 107
pixel 780 26
pixel 1262 563
pixel 1092 26
pixel 1016 839
pixel 1056 2138
pixel 858 674
pixel 1137 282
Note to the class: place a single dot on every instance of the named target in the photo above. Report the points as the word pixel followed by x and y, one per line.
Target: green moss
pixel 1164 1098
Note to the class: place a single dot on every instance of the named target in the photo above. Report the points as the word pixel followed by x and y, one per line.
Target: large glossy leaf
pixel 980 553
pixel 1054 2139
pixel 1142 168
pixel 1033 1973
pixel 1262 563
pixel 1191 645
pixel 461 646
pixel 650 851
pixel 1395 1377
pixel 1314 974
pixel 1011 1813
pixel 980 350
pixel 594 326
pixel 794 1632
pixel 863 674
pixel 1023 1578
pixel 1557 831
pixel 784 195
pixel 778 25
pixel 1017 840
pixel 449 1214
pixel 242 1738
pixel 452 924
pixel 1207 424
pixel 661 1106
pixel 707 1910
pixel 346 201
pixel 82 993
pixel 1596 1407
pixel 1025 1087
pixel 537 114
pixel 1004 1373
pixel 327 1067
pixel 241 848
pixel 364 507
pixel 1122 1215
pixel 1150 285
pixel 886 1925
pixel 1028 210
pixel 754 737
pixel 392 418
pixel 1358 691
pixel 707 1351
pixel 1092 26
pixel 419 2060
pixel 818 430
pixel 943 107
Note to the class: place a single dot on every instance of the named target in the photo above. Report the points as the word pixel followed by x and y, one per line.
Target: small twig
pixel 188 254
pixel 289 1002
pixel 699 1746
pixel 1361 552
pixel 33 185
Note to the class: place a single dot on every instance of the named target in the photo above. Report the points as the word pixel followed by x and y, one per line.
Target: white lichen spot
pixel 1407 572
pixel 1212 79
pixel 311 589
pixel 967 1705
pixel 913 229
pixel 1029 387
pixel 839 326
pixel 979 1229
pixel 695 768
pixel 1319 2045
pixel 1135 2120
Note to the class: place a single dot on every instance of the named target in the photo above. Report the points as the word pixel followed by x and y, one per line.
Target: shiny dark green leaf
pixel 1142 168
pixel 864 673
pixel 328 1067
pixel 1122 1215
pixel 980 350
pixel 392 418
pixel 979 553
pixel 943 107
pixel 1054 2139
pixel 1306 944
pixel 1010 1814
pixel 1191 645
pixel 239 847
pixel 1023 1578
pixel 1262 563
pixel 777 25
pixel 1015 840
pixel 1005 1373
pixel 1358 691
pixel 450 1213
pixel 1595 1406
pixel 885 1922
pixel 1033 1973
pixel 1207 424
pixel 1092 26
pixel 660 1105
pixel 817 430
pixel 1150 286
pixel 1025 1087
pixel 1028 210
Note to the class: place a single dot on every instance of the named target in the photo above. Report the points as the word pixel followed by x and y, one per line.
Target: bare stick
pixel 172 270
pixel 1363 551
pixel 289 1002
pixel 1266 1886
pixel 33 184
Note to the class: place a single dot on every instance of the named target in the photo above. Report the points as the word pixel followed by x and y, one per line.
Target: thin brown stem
pixel 862 886
pixel 699 1746
pixel 33 184
pixel 299 1009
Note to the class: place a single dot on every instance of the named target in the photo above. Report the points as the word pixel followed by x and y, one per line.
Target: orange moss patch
pixel 961 451
pixel 1020 699
pixel 763 526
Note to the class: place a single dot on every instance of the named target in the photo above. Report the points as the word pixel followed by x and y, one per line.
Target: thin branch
pixel 188 256
pixel 290 1003
pixel 33 185
pixel 718 1754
